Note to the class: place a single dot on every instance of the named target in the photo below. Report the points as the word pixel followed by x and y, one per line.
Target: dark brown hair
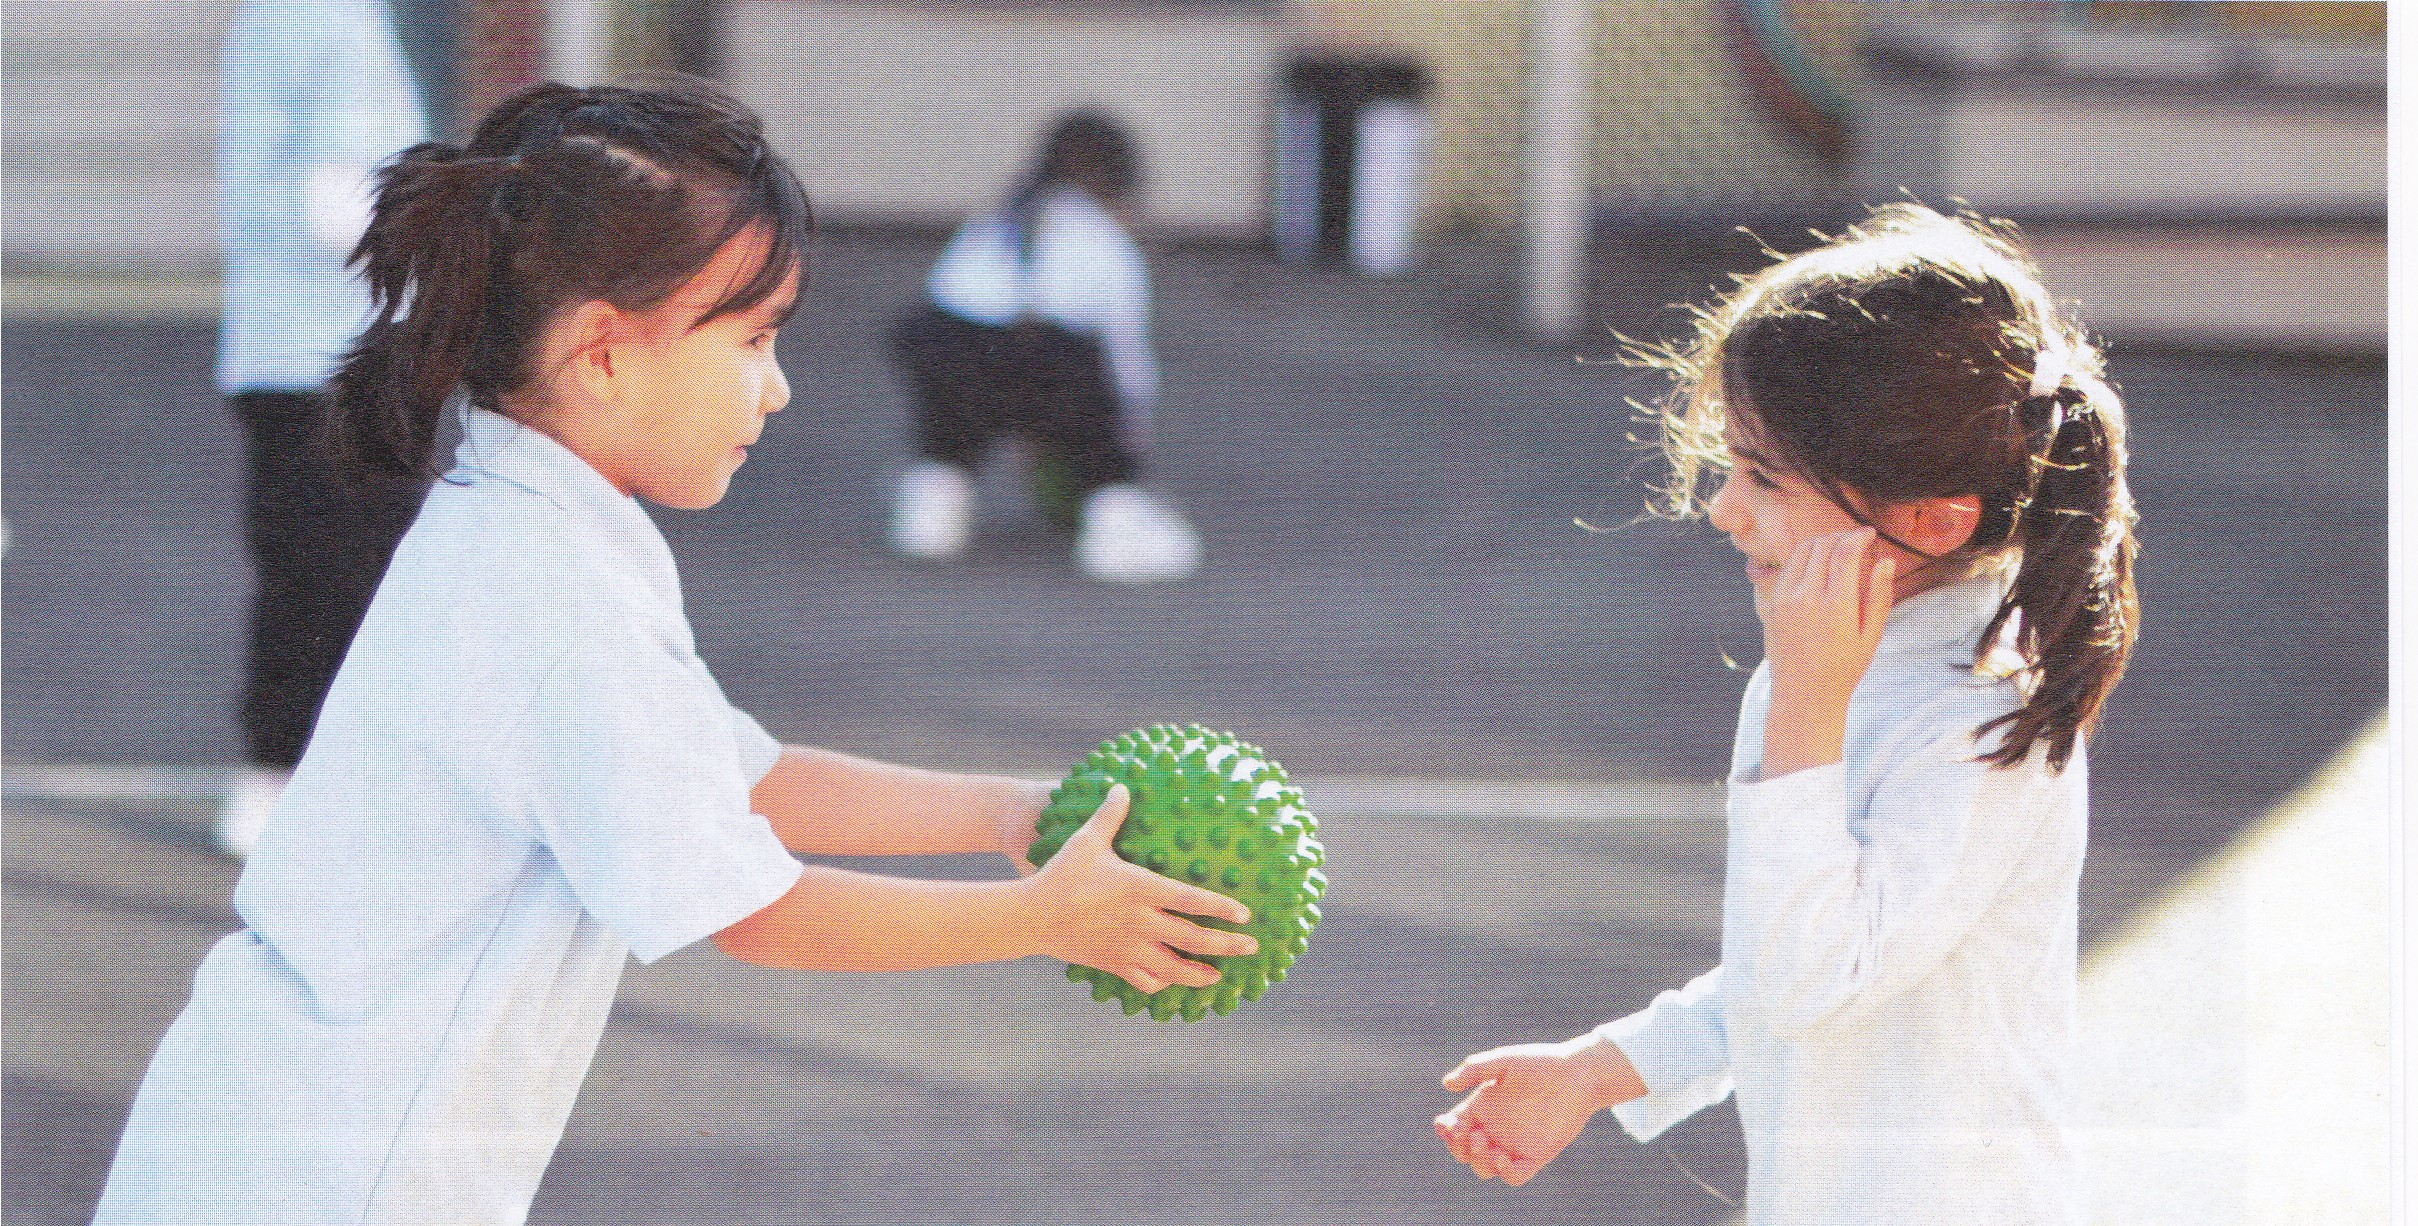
pixel 562 196
pixel 1086 149
pixel 1916 356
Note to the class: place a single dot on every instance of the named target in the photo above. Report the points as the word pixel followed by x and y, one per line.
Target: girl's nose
pixel 776 391
pixel 1724 511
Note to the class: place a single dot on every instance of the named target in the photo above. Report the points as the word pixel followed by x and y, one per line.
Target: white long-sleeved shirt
pixel 1083 273
pixel 1894 1005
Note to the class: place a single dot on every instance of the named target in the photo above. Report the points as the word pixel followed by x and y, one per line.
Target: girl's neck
pixel 1915 580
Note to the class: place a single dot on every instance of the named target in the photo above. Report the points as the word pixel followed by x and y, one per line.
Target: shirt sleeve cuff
pixel 1677 1054
pixel 749 886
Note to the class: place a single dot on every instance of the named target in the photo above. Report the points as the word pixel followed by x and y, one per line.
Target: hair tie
pixel 2050 367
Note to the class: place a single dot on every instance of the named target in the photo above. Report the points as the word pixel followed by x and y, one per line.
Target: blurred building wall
pixel 923 110
pixel 926 112
pixel 1676 126
pixel 108 115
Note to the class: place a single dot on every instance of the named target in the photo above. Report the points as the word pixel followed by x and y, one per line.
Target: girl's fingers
pixel 1498 1160
pixel 1183 934
pixel 1143 981
pixel 1471 1073
pixel 1481 1153
pixel 1105 821
pixel 1185 899
pixel 1455 1142
pixel 1167 967
pixel 1843 567
pixel 1847 553
pixel 1793 571
pixel 1879 594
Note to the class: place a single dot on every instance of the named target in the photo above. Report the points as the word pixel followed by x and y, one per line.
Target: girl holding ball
pixel 524 775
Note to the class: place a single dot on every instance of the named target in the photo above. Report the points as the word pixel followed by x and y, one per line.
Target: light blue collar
pixel 497 446
pixel 1946 620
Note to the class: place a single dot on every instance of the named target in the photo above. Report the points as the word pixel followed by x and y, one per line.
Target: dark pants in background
pixel 320 543
pixel 974 382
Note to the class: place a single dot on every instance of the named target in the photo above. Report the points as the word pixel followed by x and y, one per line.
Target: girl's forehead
pixel 1740 431
pixel 733 265
pixel 738 263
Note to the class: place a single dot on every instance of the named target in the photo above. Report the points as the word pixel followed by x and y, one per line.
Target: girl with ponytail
pixel 1923 463
pixel 523 774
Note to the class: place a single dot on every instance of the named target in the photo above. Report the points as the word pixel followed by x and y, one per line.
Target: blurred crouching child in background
pixel 1036 325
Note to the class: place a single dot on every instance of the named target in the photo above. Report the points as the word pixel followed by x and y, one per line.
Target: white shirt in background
pixel 314 95
pixel 523 775
pixel 1084 274
pixel 1895 1003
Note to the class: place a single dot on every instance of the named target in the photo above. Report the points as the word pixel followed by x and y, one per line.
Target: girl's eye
pixel 1761 479
pixel 762 340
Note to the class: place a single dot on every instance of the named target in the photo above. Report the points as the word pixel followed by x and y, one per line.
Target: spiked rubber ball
pixel 1214 811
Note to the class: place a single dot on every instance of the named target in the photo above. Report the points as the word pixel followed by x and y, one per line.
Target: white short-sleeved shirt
pixel 522 776
pixel 1081 272
pixel 1895 1003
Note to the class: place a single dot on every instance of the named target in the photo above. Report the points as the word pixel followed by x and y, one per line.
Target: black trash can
pixel 1350 150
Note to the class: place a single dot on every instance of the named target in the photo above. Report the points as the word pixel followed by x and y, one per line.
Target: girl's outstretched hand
pixel 1097 910
pixel 1527 1103
pixel 1822 624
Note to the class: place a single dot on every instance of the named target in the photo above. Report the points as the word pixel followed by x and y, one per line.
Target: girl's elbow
pixel 1798 1008
pixel 738 943
pixel 1799 1020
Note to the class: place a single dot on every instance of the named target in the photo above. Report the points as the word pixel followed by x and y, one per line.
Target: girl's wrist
pixel 1029 911
pixel 1015 809
pixel 1801 732
pixel 1609 1076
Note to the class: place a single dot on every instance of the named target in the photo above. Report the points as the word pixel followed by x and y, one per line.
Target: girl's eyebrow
pixel 1752 456
pixel 774 317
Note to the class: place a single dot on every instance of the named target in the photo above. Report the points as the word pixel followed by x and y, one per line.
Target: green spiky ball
pixel 1055 494
pixel 1219 813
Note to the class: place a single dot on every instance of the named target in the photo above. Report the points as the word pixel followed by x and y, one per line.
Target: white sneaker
pixel 934 515
pixel 1130 537
pixel 244 812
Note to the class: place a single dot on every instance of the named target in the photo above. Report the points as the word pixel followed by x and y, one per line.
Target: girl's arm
pixel 1087 906
pixel 825 803
pixel 1834 926
pixel 1835 923
pixel 1827 610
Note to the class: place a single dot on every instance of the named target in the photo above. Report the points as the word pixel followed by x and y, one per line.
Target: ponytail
pixel 428 257
pixel 2072 604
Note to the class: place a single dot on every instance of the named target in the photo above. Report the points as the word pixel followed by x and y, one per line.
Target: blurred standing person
pixel 1037 323
pixel 314 94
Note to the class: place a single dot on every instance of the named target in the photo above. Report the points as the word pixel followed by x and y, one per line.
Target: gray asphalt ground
pixel 1387 478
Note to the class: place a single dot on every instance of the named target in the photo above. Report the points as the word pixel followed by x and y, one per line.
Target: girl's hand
pixel 1822 625
pixel 1527 1103
pixel 1097 910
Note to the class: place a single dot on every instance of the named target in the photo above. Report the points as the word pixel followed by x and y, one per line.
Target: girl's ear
pixel 1941 526
pixel 590 334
